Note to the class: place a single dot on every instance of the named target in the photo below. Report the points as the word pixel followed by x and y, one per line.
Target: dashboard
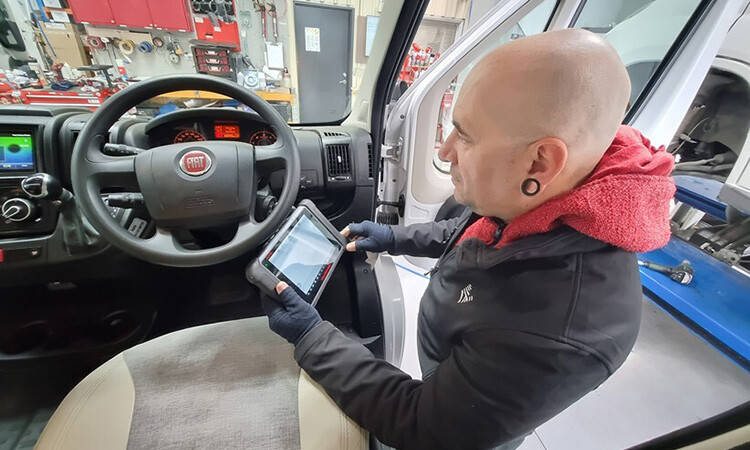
pixel 336 172
pixel 253 132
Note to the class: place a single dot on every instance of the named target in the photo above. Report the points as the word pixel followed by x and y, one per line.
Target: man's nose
pixel 446 153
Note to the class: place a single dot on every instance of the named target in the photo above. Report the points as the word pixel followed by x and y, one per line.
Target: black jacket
pixel 508 338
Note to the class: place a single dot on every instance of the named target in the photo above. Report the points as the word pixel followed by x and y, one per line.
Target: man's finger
pixel 269 305
pixel 351 247
pixel 358 229
pixel 345 232
pixel 289 298
pixel 281 287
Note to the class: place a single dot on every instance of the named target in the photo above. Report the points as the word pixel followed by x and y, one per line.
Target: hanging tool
pixel 261 8
pixel 126 46
pixel 158 42
pixel 682 274
pixel 145 47
pixel 95 43
pixel 225 10
pixel 174 57
pixel 272 12
pixel 175 45
pixel 110 50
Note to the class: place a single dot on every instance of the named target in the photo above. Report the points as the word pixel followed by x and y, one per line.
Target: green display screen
pixel 16 152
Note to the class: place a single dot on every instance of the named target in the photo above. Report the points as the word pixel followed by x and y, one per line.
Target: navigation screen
pixel 304 256
pixel 16 152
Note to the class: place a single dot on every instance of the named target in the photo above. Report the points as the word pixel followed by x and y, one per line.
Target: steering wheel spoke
pixel 114 172
pixel 247 228
pixel 164 241
pixel 269 158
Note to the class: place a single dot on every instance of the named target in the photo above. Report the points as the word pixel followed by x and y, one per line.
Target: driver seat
pixel 226 385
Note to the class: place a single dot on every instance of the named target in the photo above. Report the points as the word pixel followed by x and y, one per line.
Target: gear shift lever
pixel 78 234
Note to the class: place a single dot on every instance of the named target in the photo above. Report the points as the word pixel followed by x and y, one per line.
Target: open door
pixel 666 45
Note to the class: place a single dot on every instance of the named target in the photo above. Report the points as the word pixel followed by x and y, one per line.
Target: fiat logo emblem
pixel 195 163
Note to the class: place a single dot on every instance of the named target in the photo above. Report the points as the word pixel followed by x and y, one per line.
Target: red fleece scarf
pixel 625 201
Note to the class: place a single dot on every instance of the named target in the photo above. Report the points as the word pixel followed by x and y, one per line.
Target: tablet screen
pixel 304 255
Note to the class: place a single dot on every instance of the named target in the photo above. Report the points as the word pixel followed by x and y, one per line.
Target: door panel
pixel 323 36
pixel 658 113
pixel 95 12
pixel 132 13
pixel 170 15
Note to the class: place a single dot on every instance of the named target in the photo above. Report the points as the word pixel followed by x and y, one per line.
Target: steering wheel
pixel 187 185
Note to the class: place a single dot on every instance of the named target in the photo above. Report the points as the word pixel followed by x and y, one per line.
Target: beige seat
pixel 227 385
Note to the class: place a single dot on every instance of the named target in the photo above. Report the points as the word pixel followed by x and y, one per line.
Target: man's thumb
pixel 281 287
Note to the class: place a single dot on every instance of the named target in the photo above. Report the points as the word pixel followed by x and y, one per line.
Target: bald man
pixel 535 299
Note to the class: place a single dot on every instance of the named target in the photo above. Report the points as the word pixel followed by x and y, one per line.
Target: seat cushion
pixel 227 385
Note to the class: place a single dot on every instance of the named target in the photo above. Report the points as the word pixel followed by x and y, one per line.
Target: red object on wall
pixel 225 33
pixel 95 12
pixel 170 14
pixel 92 100
pixel 131 13
pixel 163 14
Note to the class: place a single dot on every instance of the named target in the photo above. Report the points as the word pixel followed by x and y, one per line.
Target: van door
pixel 666 45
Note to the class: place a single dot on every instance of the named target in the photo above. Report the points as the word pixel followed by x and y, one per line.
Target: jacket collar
pixel 563 241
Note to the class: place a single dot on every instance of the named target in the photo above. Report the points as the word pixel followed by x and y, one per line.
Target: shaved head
pixel 545 107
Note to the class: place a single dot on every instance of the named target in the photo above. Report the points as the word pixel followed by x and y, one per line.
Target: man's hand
pixel 289 316
pixel 376 238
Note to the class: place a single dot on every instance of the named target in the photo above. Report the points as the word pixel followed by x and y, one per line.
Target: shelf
pixel 265 95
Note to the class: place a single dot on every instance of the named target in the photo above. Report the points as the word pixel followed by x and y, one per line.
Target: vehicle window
pixel 642 32
pixel 715 129
pixel 306 57
pixel 436 34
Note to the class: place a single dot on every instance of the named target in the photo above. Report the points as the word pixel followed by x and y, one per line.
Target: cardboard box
pixel 66 41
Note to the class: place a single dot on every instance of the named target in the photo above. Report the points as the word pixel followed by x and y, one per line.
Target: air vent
pixel 338 160
pixel 9 183
pixel 369 160
pixel 333 134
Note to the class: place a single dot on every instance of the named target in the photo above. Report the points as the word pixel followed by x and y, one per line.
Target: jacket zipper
pixel 495 239
pixel 445 241
pixel 501 224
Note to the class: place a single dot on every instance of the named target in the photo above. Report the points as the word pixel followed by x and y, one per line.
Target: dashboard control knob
pixel 17 210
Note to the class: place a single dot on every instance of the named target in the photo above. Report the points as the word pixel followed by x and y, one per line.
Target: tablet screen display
pixel 304 255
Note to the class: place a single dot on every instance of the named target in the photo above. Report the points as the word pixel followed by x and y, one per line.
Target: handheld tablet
pixel 303 253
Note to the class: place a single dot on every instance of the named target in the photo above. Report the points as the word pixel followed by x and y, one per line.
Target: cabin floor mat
pixel 21 433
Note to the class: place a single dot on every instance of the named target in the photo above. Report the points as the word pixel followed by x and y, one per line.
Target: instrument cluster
pixel 255 133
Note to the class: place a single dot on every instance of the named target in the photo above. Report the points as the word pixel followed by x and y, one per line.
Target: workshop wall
pixel 140 64
pixel 252 43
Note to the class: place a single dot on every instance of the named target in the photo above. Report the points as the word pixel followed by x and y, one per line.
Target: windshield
pixel 306 58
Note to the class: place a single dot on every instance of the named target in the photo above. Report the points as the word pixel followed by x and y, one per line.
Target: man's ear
pixel 550 155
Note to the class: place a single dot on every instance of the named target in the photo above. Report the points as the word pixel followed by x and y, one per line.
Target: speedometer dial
pixel 263 137
pixel 188 136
